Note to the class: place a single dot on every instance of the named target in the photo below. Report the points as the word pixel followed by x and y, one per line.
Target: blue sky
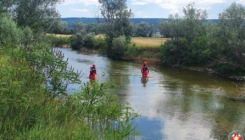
pixel 146 8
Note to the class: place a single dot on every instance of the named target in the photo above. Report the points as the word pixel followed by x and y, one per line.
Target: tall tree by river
pixel 116 22
pixel 227 39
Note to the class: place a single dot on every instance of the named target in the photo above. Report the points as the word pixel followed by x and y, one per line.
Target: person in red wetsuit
pixel 144 69
pixel 92 74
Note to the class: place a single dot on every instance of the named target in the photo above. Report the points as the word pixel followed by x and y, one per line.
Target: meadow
pixel 148 41
pixel 138 41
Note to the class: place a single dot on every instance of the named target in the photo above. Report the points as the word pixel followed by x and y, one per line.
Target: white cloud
pixel 139 3
pixel 80 10
pixel 85 2
pixel 176 6
pixel 241 2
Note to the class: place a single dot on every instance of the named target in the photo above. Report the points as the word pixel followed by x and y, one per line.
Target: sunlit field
pixel 59 35
pixel 148 41
pixel 138 41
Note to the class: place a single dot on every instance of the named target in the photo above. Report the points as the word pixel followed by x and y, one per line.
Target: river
pixel 174 104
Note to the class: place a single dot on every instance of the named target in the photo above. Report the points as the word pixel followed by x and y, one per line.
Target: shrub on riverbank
pixel 34 102
pixel 134 52
pixel 58 41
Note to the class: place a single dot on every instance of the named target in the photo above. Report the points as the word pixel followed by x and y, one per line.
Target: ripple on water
pixel 84 61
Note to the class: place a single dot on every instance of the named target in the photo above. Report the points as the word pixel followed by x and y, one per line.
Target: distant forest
pixel 151 21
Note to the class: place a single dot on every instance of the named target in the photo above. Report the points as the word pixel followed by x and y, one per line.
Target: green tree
pixel 194 21
pixel 59 27
pixel 119 46
pixel 172 50
pixel 142 29
pixel 88 41
pixel 187 38
pixel 10 33
pixel 78 27
pixel 92 28
pixel 116 22
pixel 39 15
pixel 77 41
pixel 164 28
pixel 151 31
pixel 228 39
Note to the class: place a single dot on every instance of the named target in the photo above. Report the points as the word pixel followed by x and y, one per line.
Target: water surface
pixel 174 104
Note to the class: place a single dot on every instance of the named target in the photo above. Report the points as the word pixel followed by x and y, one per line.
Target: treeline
pixel 34 77
pixel 142 29
pixel 220 46
pixel 192 41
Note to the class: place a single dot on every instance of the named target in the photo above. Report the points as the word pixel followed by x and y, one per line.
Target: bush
pixel 148 52
pixel 58 41
pixel 77 41
pixel 227 69
pixel 100 44
pixel 34 103
pixel 197 53
pixel 10 33
pixel 88 41
pixel 118 47
pixel 169 54
pixel 28 36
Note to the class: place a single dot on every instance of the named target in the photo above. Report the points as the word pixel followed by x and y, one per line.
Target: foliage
pixel 28 36
pixel 193 22
pixel 88 41
pixel 171 54
pixel 151 31
pixel 100 44
pixel 164 28
pixel 92 28
pixel 197 53
pixel 187 38
pixel 118 47
pixel 172 50
pixel 59 27
pixel 78 27
pixel 101 111
pixel 29 79
pixel 134 52
pixel 143 29
pixel 34 77
pixel 58 41
pixel 231 37
pixel 116 22
pixel 77 41
pixel 38 15
pixel 34 103
pixel 10 33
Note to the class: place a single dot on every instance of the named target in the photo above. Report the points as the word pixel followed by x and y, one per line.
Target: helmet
pixel 145 63
pixel 94 65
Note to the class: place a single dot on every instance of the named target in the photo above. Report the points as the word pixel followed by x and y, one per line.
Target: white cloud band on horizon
pixel 85 2
pixel 176 6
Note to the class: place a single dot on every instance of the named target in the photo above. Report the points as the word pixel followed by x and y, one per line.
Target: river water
pixel 174 104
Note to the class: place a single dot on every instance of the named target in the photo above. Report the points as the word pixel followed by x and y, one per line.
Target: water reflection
pixel 144 80
pixel 173 103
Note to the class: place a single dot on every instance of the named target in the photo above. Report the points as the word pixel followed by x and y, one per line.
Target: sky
pixel 146 8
